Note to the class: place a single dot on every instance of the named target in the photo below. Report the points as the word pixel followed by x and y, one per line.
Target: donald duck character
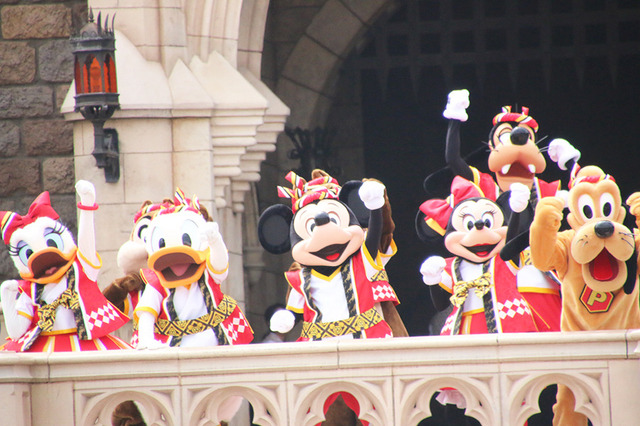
pixel 57 305
pixel 183 304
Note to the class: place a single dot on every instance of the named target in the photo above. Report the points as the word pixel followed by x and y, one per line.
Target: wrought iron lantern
pixel 96 89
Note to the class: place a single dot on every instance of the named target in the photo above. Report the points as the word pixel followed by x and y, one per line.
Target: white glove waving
pixel 457 104
pixel 372 194
pixel 210 231
pixel 282 321
pixel 87 192
pixel 519 198
pixel 432 269
pixel 561 151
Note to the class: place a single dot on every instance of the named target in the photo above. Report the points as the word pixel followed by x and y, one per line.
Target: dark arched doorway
pixel 574 64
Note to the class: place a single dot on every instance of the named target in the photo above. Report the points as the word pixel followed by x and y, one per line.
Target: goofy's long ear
pixel 349 195
pixel 273 229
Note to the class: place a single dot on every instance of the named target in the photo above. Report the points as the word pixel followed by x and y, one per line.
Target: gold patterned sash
pixel 320 330
pixel 480 285
pixel 47 313
pixel 180 328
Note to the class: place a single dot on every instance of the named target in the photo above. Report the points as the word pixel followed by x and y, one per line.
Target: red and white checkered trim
pixel 511 308
pixel 101 316
pixel 236 327
pixel 383 292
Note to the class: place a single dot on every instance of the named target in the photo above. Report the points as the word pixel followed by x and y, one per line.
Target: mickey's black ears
pixel 273 229
pixel 349 195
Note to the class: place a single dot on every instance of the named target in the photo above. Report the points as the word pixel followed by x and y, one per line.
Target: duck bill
pixel 49 265
pixel 178 266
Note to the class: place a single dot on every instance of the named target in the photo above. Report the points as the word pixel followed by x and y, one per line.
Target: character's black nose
pixel 519 136
pixel 321 218
pixel 479 224
pixel 604 229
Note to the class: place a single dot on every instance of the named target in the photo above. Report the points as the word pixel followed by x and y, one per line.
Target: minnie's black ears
pixel 273 229
pixel 349 195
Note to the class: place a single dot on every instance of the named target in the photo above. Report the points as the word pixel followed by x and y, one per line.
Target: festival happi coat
pixel 57 305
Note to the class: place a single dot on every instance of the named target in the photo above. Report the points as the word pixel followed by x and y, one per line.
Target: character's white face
pixel 44 235
pixel 175 230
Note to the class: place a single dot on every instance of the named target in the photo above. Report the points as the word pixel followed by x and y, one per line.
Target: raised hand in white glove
pixel 87 193
pixel 519 198
pixel 457 104
pixel 210 231
pixel 561 151
pixel 372 194
pixel 431 270
pixel 282 321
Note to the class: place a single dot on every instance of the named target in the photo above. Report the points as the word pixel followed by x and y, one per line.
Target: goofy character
pixel 57 306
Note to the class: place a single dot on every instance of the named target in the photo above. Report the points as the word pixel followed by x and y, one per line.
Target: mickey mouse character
pixel 341 287
pixel 596 260
pixel 482 287
pixel 57 306
pixel 182 303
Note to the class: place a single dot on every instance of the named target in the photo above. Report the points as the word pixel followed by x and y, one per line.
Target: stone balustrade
pixel 500 376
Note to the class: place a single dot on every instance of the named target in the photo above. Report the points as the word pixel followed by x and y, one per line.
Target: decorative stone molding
pixel 393 380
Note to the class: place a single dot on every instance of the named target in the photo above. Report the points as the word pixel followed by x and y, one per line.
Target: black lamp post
pixel 96 89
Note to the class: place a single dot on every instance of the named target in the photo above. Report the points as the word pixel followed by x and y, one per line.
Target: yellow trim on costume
pixel 215 271
pixel 50 345
pixel 57 332
pixel 98 266
pixel 445 288
pixel 126 305
pixel 435 226
pixel 24 314
pixel 374 264
pixel 474 311
pixel 99 345
pixel 538 290
pixel 74 342
pixel 296 310
pixel 515 265
pixel 325 277
pixel 144 309
pixel 393 247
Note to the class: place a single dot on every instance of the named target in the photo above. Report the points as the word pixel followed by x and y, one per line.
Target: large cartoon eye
pixel 505 138
pixel 24 252
pixel 333 217
pixel 53 239
pixel 142 228
pixel 586 206
pixel 469 222
pixel 488 220
pixel 157 239
pixel 607 204
pixel 310 225
pixel 189 234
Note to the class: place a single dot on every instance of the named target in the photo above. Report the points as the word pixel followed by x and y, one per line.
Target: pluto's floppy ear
pixel 273 229
pixel 349 195
pixel 632 273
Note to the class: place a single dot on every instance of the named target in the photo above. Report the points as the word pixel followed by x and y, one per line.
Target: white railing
pixel 500 376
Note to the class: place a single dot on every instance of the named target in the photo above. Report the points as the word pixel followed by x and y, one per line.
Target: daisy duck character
pixel 182 303
pixel 57 305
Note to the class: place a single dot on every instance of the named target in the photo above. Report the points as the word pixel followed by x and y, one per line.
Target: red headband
pixel 10 221
pixel 524 118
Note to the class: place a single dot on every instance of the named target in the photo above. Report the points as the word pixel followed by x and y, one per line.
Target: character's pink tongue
pixel 604 267
pixel 333 257
pixel 179 269
pixel 51 271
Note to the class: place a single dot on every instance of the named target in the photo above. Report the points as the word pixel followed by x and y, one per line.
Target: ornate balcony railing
pixel 500 376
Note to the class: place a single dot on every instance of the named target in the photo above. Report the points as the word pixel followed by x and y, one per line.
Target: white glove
pixel 519 198
pixel 561 151
pixel 87 192
pixel 282 321
pixel 372 194
pixel 563 194
pixel 146 326
pixel 457 103
pixel 210 231
pixel 432 269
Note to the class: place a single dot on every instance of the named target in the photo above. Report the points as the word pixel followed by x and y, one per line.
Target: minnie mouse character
pixel 57 306
pixel 341 283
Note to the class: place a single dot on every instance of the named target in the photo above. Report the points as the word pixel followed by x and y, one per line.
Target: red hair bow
pixel 11 221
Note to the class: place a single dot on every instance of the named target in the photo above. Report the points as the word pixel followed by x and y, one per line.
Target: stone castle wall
pixel 36 144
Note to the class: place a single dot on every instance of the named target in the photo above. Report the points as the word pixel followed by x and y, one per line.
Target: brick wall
pixel 36 144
